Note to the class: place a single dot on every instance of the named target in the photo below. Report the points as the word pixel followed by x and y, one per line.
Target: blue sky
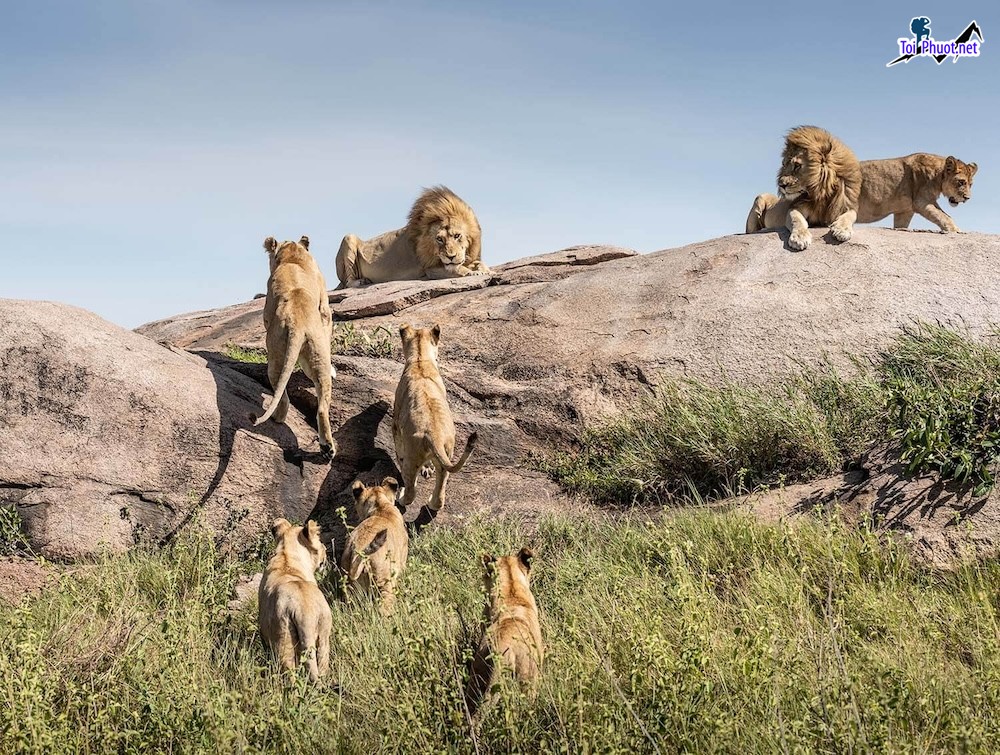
pixel 149 147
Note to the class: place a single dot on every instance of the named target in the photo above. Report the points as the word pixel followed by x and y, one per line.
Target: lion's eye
pixel 458 237
pixel 961 184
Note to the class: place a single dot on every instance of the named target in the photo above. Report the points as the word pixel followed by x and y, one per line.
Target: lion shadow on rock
pixel 892 496
pixel 359 456
pixel 784 235
pixel 231 394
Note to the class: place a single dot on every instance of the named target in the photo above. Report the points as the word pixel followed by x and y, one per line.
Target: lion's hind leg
pixel 348 270
pixel 316 364
pixel 901 220
pixel 757 220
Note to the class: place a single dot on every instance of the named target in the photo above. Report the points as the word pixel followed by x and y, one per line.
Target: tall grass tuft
pixel 935 392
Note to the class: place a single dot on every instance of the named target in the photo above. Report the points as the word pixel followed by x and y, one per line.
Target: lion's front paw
pixel 842 232
pixel 427 470
pixel 799 240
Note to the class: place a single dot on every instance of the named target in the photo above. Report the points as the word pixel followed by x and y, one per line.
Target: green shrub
pixel 943 394
pixel 935 393
pixel 350 340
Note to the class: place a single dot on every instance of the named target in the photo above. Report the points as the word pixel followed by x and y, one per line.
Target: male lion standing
pixel 299 330
pixel 441 239
pixel 820 184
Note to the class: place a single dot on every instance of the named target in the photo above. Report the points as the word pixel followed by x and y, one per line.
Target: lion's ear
pixel 392 483
pixel 312 527
pixel 357 489
pixel 304 241
pixel 950 166
pixel 270 244
pixel 489 561
pixel 279 527
pixel 436 333
pixel 972 169
pixel 405 331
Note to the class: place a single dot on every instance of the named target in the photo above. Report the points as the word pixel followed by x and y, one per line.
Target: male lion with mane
pixel 820 184
pixel 441 239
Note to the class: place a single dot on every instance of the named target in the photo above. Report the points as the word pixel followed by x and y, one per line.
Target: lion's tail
pixel 295 342
pixel 443 459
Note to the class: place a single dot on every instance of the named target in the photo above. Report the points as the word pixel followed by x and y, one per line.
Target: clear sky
pixel 150 146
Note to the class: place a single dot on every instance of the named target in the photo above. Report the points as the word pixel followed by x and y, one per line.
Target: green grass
pixel 935 393
pixel 699 632
pixel 241 354
pixel 348 339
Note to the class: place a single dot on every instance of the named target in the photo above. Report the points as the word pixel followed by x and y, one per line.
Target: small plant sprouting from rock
pixel 350 340
pixel 245 354
pixel 11 533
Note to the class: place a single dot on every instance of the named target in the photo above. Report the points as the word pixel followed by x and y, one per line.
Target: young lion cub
pixel 293 615
pixel 513 637
pixel 376 550
pixel 422 427
pixel 299 329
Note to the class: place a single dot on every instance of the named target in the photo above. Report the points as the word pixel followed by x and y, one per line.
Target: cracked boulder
pixel 108 438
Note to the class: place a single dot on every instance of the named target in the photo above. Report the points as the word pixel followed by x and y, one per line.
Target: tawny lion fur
pixel 293 615
pixel 376 550
pixel 898 186
pixel 422 426
pixel 441 239
pixel 820 184
pixel 902 186
pixel 299 329
pixel 513 635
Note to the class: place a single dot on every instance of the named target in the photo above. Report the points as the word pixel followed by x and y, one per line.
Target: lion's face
pixel 451 240
pixel 792 174
pixel 958 180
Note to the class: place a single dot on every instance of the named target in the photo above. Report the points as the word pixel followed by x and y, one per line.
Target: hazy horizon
pixel 153 146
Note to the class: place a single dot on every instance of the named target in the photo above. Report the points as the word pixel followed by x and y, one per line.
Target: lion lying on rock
pixel 820 184
pixel 898 186
pixel 441 239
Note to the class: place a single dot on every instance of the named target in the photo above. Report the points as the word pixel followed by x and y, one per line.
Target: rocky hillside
pixel 109 434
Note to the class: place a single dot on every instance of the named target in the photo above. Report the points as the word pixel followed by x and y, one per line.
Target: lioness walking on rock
pixel 422 426
pixel 293 615
pixel 299 330
pixel 902 186
pixel 376 550
pixel 513 635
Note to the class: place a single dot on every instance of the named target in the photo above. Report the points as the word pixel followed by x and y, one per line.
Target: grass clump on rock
pixel 935 392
